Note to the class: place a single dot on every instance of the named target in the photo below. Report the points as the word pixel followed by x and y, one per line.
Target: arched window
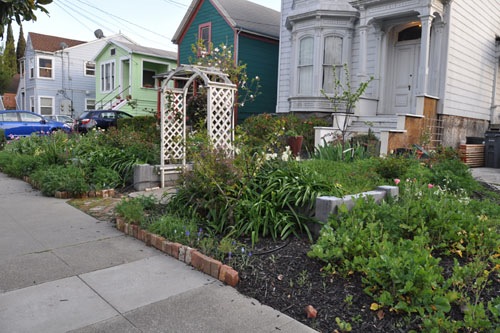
pixel 332 61
pixel 305 67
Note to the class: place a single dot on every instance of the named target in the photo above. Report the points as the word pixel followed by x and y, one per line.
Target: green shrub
pixel 140 210
pixel 19 165
pixel 354 177
pixel 3 139
pixel 267 132
pixel 394 166
pixel 104 178
pixel 177 229
pixel 61 178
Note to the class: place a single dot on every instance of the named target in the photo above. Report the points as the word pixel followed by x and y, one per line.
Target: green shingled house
pixel 253 31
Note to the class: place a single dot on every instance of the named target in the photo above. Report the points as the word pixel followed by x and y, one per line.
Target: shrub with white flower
pixel 222 58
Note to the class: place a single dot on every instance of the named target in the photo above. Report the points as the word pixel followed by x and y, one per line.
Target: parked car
pixel 17 123
pixel 102 119
pixel 62 118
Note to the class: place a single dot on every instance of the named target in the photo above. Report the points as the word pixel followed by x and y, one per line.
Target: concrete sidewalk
pixel 62 270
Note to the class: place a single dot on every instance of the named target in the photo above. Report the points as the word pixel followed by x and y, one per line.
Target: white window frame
pixel 32 103
pixel 142 78
pixel 335 61
pixel 89 71
pixel 39 68
pixel 32 68
pixel 208 40
pixel 108 83
pixel 89 104
pixel 305 88
pixel 49 98
pixel 22 68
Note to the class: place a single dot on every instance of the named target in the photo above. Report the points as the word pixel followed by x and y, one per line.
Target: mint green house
pixel 126 76
pixel 251 29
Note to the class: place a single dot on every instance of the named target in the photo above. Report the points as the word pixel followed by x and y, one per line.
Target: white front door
pixel 405 76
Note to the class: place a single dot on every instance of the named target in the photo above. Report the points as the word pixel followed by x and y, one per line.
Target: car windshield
pixel 85 115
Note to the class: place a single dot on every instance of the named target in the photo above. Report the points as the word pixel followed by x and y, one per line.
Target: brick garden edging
pixel 107 193
pixel 183 253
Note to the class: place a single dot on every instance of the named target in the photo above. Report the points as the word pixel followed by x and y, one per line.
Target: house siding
pixel 128 79
pixel 262 60
pixel 221 32
pixel 69 82
pixel 285 59
pixel 471 65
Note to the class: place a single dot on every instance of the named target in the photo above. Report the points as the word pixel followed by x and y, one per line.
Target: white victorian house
pixel 435 65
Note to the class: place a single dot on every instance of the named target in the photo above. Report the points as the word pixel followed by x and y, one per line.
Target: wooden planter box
pixel 472 154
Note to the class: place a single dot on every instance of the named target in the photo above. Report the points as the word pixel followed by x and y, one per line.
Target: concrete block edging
pixel 327 205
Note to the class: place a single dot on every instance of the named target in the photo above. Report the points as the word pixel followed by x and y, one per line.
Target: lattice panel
pixel 173 126
pixel 220 122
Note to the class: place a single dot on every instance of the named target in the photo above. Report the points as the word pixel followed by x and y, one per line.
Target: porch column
pixel 363 44
pixel 423 72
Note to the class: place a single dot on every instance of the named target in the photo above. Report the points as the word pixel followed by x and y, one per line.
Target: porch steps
pixel 376 123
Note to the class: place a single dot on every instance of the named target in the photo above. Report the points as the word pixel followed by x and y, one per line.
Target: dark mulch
pixel 282 276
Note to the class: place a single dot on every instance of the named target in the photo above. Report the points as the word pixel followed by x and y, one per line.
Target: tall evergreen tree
pixel 5 77
pixel 9 55
pixel 21 46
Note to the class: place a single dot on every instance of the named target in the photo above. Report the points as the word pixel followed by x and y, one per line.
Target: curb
pixel 186 254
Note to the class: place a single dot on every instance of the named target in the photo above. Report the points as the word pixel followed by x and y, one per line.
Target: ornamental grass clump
pixel 251 194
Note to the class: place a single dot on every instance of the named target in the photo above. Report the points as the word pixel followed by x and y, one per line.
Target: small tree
pixel 344 101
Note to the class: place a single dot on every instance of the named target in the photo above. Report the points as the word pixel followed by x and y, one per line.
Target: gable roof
pixel 241 15
pixel 138 49
pixel 49 43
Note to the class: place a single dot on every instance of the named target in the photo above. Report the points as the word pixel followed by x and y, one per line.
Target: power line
pixel 122 19
pixel 175 3
pixel 89 18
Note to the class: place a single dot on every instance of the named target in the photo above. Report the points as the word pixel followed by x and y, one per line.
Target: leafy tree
pixel 20 10
pixel 21 46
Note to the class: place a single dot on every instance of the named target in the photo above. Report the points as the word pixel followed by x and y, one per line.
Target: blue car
pixel 17 123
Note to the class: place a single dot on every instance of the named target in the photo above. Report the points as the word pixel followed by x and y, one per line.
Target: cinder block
pixel 392 191
pixel 145 176
pixel 378 196
pixel 325 206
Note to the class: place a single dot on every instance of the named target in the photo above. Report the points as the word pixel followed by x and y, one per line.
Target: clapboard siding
pixel 221 31
pixel 262 61
pixel 469 89
pixel 285 58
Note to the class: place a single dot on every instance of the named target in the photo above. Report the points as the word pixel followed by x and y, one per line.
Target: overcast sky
pixel 148 22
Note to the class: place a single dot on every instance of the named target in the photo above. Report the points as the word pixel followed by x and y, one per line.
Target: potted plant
pixel 294 140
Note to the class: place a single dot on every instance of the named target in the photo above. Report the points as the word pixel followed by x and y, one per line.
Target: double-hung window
pixel 108 76
pixel 89 68
pixel 305 66
pixel 332 62
pixel 205 35
pixel 45 68
pixel 46 105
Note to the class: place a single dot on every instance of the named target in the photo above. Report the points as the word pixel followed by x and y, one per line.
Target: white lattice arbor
pixel 176 87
